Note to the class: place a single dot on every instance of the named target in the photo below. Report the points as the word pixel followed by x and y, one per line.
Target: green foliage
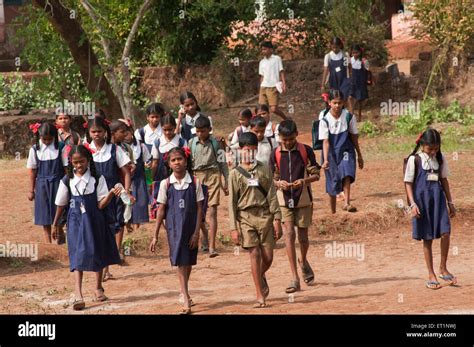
pixel 368 128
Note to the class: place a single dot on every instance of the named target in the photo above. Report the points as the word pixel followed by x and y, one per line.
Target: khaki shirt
pixel 206 158
pixel 242 197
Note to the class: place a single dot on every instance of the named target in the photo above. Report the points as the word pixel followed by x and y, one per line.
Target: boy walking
pixel 254 213
pixel 295 168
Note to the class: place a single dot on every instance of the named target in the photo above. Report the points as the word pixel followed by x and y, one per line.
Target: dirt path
pixel 389 278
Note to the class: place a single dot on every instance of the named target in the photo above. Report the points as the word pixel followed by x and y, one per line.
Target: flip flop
pixel 213 254
pixel 349 208
pixel 308 274
pixel 265 288
pixel 432 285
pixel 107 276
pixel 260 305
pixel 293 287
pixel 101 297
pixel 78 304
pixel 185 311
pixel 449 278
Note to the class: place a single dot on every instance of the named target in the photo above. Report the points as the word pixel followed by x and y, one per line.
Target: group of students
pixel 99 187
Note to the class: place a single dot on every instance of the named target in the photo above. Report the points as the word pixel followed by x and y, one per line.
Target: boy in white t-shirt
pixel 272 79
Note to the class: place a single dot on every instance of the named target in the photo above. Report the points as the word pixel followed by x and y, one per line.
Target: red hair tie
pixel 187 152
pixel 127 122
pixel 88 147
pixel 325 97
pixel 419 138
pixel 85 125
pixel 58 126
pixel 35 127
pixel 107 122
pixel 165 156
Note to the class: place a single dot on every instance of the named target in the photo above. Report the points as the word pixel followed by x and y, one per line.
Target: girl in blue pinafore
pixel 142 157
pixel 111 162
pixel 338 130
pixel 361 77
pixel 180 199
pixel 429 197
pixel 168 140
pixel 91 245
pixel 337 65
pixel 46 161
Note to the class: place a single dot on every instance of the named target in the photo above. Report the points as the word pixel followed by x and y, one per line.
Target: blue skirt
pixel 45 195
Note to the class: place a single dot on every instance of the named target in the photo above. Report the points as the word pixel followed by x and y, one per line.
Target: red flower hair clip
pixel 88 147
pixel 187 152
pixel 325 97
pixel 85 125
pixel 419 138
pixel 128 122
pixel 35 127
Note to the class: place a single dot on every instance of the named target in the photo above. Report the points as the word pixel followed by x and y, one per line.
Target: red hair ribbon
pixel 34 127
pixel 88 147
pixel 187 152
pixel 325 97
pixel 419 138
pixel 128 122
pixel 107 122
pixel 85 125
pixel 165 156
pixel 58 126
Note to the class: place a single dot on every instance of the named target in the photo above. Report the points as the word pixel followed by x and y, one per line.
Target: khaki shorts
pixel 212 179
pixel 300 216
pixel 269 96
pixel 256 228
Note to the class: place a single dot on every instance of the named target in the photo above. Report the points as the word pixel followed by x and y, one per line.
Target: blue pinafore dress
pixel 359 83
pixel 431 200
pixel 140 193
pixel 115 209
pixel 338 79
pixel 91 245
pixel 48 176
pixel 342 160
pixel 181 223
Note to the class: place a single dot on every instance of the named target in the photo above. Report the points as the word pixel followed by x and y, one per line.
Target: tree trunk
pixel 72 33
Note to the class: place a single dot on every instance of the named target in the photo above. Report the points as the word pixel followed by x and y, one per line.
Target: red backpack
pixel 301 149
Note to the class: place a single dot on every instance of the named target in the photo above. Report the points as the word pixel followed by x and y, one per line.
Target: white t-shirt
pixel 184 184
pixel 150 135
pixel 81 186
pixel 105 154
pixel 337 126
pixel 139 149
pixel 165 146
pixel 235 137
pixel 270 70
pixel 45 153
pixel 427 163
pixel 333 56
pixel 357 64
pixel 269 131
pixel 264 150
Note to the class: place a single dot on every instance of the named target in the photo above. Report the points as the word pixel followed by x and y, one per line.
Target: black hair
pixel 83 151
pixel 100 113
pixel 132 131
pixel 47 129
pixel 246 113
pixel 430 137
pixel 248 139
pixel 98 122
pixel 168 119
pixel 189 164
pixel 357 48
pixel 262 107
pixel 188 95
pixel 287 127
pixel 155 108
pixel 117 125
pixel 338 42
pixel 202 122
pixel 64 113
pixel 258 121
pixel 267 44
pixel 335 94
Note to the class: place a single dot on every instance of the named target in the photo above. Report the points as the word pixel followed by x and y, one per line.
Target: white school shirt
pixel 81 186
pixel 184 184
pixel 333 56
pixel 270 70
pixel 105 154
pixel 337 126
pixel 44 153
pixel 190 120
pixel 357 64
pixel 264 150
pixel 269 131
pixel 150 135
pixel 139 149
pixel 235 137
pixel 166 145
pixel 427 163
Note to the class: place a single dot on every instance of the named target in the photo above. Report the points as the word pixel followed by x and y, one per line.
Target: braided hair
pixel 47 129
pixel 84 152
pixel 430 137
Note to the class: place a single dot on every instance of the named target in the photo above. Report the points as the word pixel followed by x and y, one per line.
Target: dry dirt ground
pixel 389 278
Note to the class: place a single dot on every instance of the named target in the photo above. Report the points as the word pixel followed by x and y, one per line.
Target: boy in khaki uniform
pixel 254 214
pixel 295 168
pixel 208 164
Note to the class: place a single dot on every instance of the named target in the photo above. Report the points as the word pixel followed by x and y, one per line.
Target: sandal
pixel 349 208
pixel 185 311
pixel 432 285
pixel 107 276
pixel 213 254
pixel 78 304
pixel 101 297
pixel 260 305
pixel 293 287
pixel 308 274
pixel 449 278
pixel 265 287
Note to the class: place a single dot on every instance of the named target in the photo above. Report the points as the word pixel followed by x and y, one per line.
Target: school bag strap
pixel 215 148
pixel 417 163
pixel 246 174
pixel 141 131
pixel 301 149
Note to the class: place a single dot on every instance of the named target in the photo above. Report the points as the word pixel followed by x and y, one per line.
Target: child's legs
pixel 277 111
pixel 346 185
pixel 427 249
pixel 47 233
pixel 204 234
pixel 332 203
pixel 119 238
pixel 304 243
pixel 350 104
pixel 184 272
pixel 267 258
pixel 212 227
pixel 445 238
pixel 78 283
pixel 256 267
pixel 98 280
pixel 290 238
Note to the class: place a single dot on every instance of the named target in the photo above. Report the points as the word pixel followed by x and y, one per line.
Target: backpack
pixel 141 131
pixel 215 147
pixel 317 143
pixel 301 149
